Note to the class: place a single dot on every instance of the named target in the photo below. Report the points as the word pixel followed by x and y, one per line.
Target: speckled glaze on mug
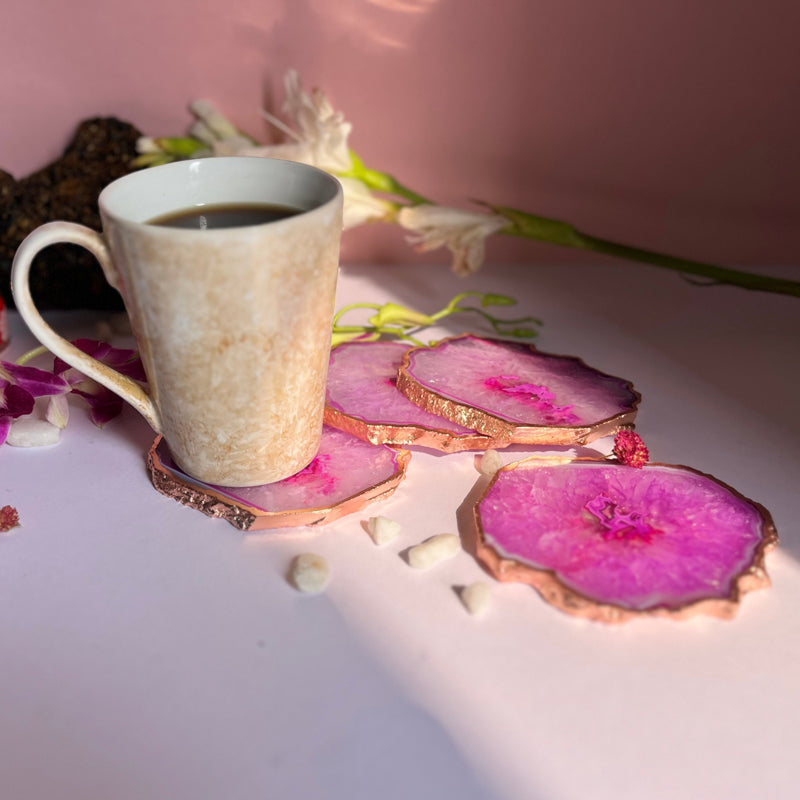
pixel 233 324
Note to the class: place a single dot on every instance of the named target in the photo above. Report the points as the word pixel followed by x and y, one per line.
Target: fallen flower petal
pixel 57 412
pixel 37 382
pixel 19 386
pixel 14 400
pixel 104 405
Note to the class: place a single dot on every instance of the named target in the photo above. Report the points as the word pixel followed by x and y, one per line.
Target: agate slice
pixel 609 542
pixel 513 392
pixel 345 476
pixel 362 399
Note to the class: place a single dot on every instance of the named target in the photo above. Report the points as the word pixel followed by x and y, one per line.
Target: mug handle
pixel 72 233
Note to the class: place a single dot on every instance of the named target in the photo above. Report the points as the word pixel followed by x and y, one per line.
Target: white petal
pixel 423 217
pixel 232 146
pixel 219 125
pixel 360 205
pixel 147 144
pixel 57 412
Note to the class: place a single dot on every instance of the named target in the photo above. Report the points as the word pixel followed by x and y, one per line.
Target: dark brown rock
pixel 66 276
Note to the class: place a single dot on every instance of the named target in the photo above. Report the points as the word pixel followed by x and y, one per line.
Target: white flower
pixel 360 205
pixel 147 144
pixel 463 232
pixel 215 126
pixel 319 133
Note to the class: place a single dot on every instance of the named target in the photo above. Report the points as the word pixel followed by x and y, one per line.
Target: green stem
pixel 382 182
pixel 342 311
pixel 531 226
pixel 31 354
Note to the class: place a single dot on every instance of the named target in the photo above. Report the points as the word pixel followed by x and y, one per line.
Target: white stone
pixel 309 573
pixel 383 529
pixel 477 598
pixel 489 463
pixel 433 551
pixel 31 432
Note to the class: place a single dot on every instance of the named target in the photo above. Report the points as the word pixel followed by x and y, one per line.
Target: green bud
pixel 524 333
pixel 394 314
pixel 497 300
pixel 181 146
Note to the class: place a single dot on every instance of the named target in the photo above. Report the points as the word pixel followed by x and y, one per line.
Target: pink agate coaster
pixel 362 399
pixel 346 474
pixel 609 542
pixel 515 393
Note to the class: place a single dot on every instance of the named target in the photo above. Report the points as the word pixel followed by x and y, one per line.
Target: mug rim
pixel 328 192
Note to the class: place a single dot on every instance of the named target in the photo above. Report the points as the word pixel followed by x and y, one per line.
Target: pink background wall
pixel 671 125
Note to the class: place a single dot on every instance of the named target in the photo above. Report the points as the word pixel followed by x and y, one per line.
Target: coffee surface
pixel 231 215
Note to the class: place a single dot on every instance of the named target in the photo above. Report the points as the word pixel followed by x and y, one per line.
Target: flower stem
pixel 30 355
pixel 531 226
pixel 381 181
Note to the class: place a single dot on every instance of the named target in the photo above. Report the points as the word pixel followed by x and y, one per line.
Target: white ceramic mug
pixel 233 325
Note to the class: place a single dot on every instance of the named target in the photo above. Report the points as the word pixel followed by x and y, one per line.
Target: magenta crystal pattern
pixel 519 384
pixel 536 395
pixel 656 537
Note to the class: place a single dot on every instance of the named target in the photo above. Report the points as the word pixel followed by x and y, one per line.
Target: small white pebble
pixel 433 551
pixel 383 529
pixel 489 463
pixel 477 598
pixel 309 573
pixel 31 432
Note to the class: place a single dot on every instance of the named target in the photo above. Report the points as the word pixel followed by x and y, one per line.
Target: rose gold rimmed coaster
pixel 610 542
pixel 515 393
pixel 362 399
pixel 345 476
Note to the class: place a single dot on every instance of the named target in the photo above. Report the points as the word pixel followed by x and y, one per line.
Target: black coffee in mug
pixel 231 215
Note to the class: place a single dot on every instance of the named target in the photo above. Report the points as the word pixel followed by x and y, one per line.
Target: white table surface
pixel 147 651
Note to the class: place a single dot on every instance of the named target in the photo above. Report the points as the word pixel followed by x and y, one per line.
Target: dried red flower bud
pixel 630 449
pixel 9 518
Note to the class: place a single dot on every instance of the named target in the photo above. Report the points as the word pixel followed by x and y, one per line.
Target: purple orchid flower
pixel 19 387
pixel 104 405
